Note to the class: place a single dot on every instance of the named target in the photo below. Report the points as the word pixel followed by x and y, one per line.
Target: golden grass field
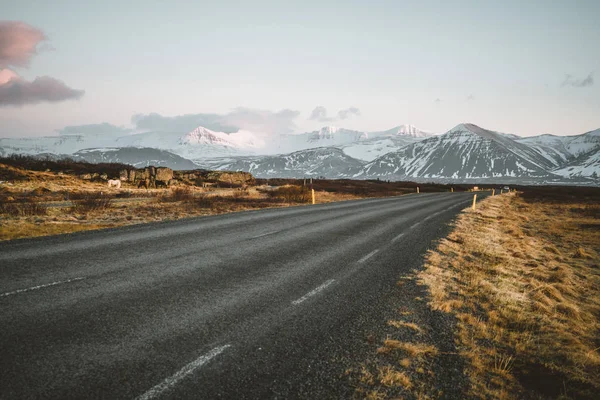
pixel 522 277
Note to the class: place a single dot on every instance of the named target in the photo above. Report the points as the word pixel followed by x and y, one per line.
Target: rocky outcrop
pixel 162 176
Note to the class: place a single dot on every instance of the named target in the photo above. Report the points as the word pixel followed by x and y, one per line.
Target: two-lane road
pixel 262 304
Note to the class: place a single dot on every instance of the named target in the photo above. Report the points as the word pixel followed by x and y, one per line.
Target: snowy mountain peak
pixel 328 130
pixel 403 131
pixel 411 130
pixel 201 135
pixel 467 127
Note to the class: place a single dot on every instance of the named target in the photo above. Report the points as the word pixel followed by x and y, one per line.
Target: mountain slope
pixel 551 147
pixel 370 149
pixel 586 165
pixel 138 157
pixel 326 161
pixel 463 153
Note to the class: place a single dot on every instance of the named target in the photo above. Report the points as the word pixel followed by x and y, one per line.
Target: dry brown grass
pixel 522 277
pixel 388 376
pixel 38 203
pixel 404 324
pixel 413 350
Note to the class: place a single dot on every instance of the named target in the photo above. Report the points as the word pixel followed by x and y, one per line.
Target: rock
pixel 164 174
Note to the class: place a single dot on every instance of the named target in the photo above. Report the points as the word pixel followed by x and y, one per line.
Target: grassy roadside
pixel 507 306
pixel 521 274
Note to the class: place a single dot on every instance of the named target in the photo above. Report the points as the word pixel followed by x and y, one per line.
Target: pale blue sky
pixel 390 59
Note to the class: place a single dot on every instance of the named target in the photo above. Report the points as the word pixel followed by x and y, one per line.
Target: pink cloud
pixel 18 43
pixel 6 75
pixel 17 92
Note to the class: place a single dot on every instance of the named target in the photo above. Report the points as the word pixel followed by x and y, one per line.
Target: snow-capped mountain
pixel 326 136
pixel 465 152
pixel 550 147
pixel 137 157
pixel 401 130
pixel 370 149
pixel 63 144
pixel 324 161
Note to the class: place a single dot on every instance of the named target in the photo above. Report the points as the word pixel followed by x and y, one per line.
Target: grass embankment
pixel 521 274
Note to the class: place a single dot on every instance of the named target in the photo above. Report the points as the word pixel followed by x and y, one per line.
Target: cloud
pixel 93 129
pixel 348 112
pixel 241 118
pixel 319 114
pixel 18 43
pixel 579 83
pixel 17 92
pixel 262 121
pixel 180 123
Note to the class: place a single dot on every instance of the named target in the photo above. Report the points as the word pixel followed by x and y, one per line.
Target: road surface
pixel 261 304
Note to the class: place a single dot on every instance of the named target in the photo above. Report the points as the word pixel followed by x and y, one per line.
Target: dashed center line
pixel 365 258
pixel 182 373
pixel 265 234
pixel 397 237
pixel 40 287
pixel 313 292
pixel 413 226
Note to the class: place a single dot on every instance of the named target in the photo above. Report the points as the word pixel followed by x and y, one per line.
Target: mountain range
pixel 465 153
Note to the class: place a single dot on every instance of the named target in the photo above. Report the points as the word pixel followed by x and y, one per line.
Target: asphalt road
pixel 262 304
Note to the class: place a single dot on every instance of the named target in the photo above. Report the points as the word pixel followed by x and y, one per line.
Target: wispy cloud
pixel 18 92
pixel 241 118
pixel 18 43
pixel 348 112
pixel 320 114
pixel 93 129
pixel 579 83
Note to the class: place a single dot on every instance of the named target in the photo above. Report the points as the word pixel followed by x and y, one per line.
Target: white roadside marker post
pixel 313 195
pixel 474 200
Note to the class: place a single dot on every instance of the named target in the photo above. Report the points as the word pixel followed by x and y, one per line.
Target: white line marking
pixel 414 225
pixel 397 237
pixel 185 371
pixel 265 234
pixel 365 258
pixel 40 287
pixel 313 292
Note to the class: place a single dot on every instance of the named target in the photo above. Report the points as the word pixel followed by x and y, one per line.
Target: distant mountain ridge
pixel 466 152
